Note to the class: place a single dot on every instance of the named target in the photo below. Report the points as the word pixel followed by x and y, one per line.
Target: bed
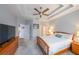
pixel 54 44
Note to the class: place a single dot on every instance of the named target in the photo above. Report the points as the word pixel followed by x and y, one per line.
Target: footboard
pixel 44 47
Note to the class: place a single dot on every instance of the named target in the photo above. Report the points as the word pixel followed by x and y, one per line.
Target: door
pixel 24 31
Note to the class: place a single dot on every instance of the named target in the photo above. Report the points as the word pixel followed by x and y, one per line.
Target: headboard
pixel 65 33
pixel 61 32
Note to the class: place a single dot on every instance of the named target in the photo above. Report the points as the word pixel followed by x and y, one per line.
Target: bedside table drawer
pixel 75 48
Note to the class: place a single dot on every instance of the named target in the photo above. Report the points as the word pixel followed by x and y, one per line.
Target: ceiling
pixel 27 10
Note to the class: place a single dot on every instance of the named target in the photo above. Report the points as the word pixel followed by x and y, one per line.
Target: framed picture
pixel 36 26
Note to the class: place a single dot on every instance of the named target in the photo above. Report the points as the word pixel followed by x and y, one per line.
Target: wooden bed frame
pixel 45 48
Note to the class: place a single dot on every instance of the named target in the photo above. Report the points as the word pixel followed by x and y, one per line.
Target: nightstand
pixel 75 47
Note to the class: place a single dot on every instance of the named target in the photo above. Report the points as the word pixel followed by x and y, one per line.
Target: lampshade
pixel 77 34
pixel 51 30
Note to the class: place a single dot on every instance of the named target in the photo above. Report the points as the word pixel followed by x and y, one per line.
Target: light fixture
pixel 41 12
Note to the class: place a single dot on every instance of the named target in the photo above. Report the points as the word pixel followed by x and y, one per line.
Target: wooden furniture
pixel 45 48
pixel 75 47
pixel 9 47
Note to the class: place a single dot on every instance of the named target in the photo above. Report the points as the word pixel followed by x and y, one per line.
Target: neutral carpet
pixel 29 47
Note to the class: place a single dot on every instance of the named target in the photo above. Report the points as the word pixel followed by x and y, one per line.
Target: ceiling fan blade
pixel 46 14
pixel 35 14
pixel 45 10
pixel 37 10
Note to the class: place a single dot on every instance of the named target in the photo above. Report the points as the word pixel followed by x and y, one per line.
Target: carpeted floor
pixel 29 47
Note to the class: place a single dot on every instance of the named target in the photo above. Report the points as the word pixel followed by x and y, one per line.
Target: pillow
pixel 61 35
pixel 58 35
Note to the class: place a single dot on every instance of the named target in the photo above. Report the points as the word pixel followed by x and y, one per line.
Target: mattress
pixel 57 44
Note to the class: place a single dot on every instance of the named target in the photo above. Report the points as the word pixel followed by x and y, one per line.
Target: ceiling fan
pixel 40 12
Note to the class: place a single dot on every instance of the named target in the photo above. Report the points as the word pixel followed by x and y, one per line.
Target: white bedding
pixel 57 44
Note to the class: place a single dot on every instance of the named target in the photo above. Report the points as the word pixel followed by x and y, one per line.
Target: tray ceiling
pixel 27 10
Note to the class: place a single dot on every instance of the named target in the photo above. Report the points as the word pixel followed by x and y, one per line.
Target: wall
pixel 44 28
pixel 6 17
pixel 67 23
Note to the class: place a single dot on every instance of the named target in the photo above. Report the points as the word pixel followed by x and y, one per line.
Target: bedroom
pixel 44 25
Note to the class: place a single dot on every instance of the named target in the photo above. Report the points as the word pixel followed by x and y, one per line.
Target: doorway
pixel 24 31
pixel 24 34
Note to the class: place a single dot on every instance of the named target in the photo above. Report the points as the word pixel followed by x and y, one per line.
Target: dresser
pixel 9 48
